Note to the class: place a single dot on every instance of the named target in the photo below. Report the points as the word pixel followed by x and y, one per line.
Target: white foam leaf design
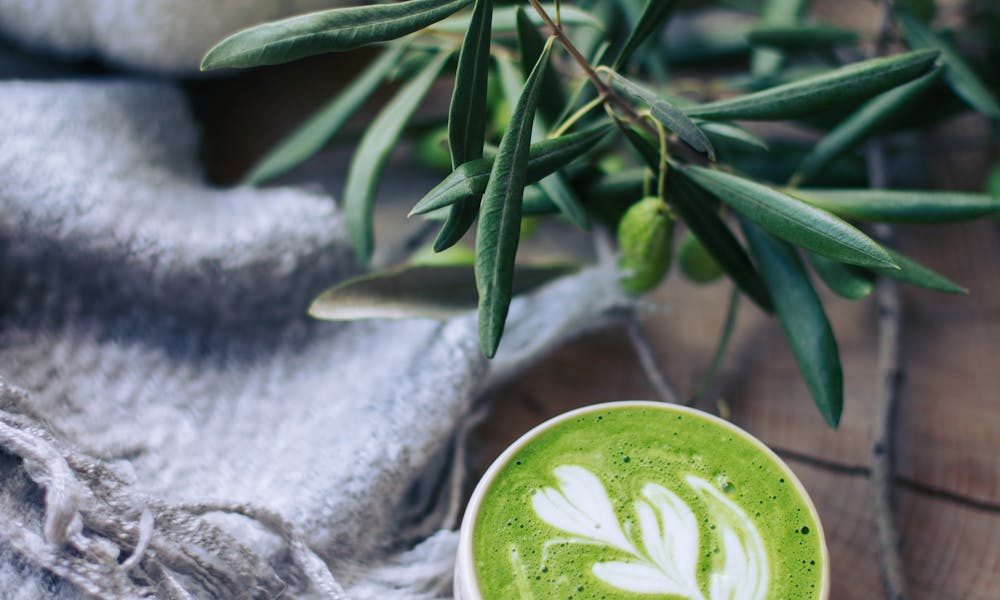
pixel 581 506
pixel 671 542
pixel 668 531
pixel 641 578
pixel 744 574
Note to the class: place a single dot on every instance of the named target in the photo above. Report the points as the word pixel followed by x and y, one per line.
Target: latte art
pixel 668 530
pixel 645 501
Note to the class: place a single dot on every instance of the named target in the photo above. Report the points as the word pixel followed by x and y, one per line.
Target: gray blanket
pixel 171 425
pixel 165 36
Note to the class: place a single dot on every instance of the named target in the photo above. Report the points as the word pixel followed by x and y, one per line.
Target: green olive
pixel 457 255
pixel 431 149
pixel 696 263
pixel 645 235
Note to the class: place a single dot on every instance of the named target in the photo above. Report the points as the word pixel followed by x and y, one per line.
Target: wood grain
pixel 948 424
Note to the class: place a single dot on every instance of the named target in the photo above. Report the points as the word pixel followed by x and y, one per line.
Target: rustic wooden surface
pixel 948 423
pixel 947 426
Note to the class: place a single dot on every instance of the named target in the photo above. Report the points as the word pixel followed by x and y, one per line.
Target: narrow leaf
pixel 860 124
pixel 530 42
pixel 731 132
pixel 912 272
pixel 766 61
pixel 796 37
pixel 803 319
pixel 901 206
pixel 373 152
pixel 835 89
pixel 847 281
pixel 325 123
pixel 957 72
pixel 461 215
pixel 418 291
pixel 537 203
pixel 647 150
pixel 505 19
pixel 467 116
pixel 547 156
pixel 334 30
pixel 695 207
pixel 554 185
pixel 792 219
pixel 652 20
pixel 467 112
pixel 666 113
pixel 500 213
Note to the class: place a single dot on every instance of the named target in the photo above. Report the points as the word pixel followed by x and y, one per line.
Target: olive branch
pixel 586 86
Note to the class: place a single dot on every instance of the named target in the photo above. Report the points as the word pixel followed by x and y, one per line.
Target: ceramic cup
pixel 640 499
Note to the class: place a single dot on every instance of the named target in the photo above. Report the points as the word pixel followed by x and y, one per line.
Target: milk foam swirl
pixel 668 531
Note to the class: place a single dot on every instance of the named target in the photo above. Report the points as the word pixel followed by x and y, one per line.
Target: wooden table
pixel 947 426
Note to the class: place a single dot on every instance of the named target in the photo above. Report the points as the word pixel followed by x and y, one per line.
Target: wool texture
pixel 172 425
pixel 161 36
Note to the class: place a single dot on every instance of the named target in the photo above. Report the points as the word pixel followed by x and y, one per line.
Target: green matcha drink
pixel 642 500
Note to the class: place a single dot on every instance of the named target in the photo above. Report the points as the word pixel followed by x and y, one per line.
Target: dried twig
pixel 889 306
pixel 650 364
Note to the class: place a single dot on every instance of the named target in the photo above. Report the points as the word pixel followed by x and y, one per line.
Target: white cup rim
pixel 465 578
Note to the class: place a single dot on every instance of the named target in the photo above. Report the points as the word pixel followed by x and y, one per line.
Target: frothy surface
pixel 628 502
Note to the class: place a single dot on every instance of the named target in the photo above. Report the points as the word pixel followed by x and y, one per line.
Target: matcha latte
pixel 641 500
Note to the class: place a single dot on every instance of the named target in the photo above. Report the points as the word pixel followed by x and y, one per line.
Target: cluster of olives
pixel 646 237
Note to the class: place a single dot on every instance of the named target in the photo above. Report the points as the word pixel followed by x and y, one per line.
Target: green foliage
pixel 500 212
pixel 802 317
pixel 615 126
pixel 366 168
pixel 838 88
pixel 333 30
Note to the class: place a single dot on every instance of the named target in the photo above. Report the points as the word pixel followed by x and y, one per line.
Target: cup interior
pixel 466 584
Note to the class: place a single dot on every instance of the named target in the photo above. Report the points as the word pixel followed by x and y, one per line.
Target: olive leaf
pixel 803 319
pixel 792 219
pixel 334 30
pixel 833 89
pixel 469 180
pixel 467 112
pixel 797 37
pixel 653 19
pixel 553 185
pixel 847 281
pixel 467 116
pixel 419 291
pixel 312 135
pixel 530 42
pixel 860 124
pixel 957 72
pixel 666 113
pixel 500 213
pixel 694 205
pixel 505 19
pixel 900 206
pixel 764 62
pixel 914 273
pixel 373 152
pixel 731 132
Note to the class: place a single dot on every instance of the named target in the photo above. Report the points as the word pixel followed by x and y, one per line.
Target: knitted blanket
pixel 165 36
pixel 171 424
